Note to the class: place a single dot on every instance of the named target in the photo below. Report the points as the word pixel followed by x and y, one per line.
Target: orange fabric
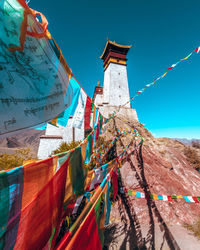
pixel 83 149
pixel 36 175
pixel 41 218
pixel 44 25
pixel 88 180
pixel 22 32
pixel 68 190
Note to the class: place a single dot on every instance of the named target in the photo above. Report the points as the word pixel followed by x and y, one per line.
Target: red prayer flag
pixel 87 236
pixel 97 132
pixel 87 113
pixel 64 242
pixel 169 198
pixel 195 199
pixel 114 178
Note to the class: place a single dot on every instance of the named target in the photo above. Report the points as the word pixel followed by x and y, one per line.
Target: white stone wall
pixel 106 86
pixel 98 99
pixel 47 145
pixel 115 87
pixel 128 112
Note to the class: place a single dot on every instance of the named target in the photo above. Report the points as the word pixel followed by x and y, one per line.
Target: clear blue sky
pixel 161 32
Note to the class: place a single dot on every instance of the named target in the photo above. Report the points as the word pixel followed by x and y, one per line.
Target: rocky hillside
pixel 158 166
pixel 27 139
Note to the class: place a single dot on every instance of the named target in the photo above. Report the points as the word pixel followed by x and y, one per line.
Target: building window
pixel 118 73
pixel 119 96
pixel 119 87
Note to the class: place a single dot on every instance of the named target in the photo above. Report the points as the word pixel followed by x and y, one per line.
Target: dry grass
pixel 8 161
pixel 192 157
pixel 64 147
pixel 195 228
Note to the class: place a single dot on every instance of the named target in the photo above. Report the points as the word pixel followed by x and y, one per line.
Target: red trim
pixel 23 4
pixel 114 55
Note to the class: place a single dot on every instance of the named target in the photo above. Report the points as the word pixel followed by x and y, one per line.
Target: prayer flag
pixel 165 197
pixel 89 148
pixel 108 208
pixel 71 97
pixel 186 199
pixel 78 117
pixel 87 113
pixel 34 74
pixel 77 171
pixel 114 178
pixel 87 236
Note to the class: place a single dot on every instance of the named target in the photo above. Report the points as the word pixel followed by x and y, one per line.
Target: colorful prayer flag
pixel 34 72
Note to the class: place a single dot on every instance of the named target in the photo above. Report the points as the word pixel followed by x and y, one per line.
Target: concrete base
pixel 127 112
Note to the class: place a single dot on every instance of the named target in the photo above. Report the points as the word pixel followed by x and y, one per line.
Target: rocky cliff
pixel 158 166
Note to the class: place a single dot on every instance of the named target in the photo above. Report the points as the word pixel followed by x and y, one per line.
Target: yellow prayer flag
pixel 155 196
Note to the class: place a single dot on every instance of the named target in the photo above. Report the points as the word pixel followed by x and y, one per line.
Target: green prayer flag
pixel 77 171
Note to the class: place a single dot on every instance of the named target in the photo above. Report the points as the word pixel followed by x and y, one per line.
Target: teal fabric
pixel 186 199
pixel 11 191
pixel 108 209
pixel 89 148
pixel 71 101
pixel 34 80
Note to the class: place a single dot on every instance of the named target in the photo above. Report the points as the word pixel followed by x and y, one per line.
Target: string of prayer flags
pixel 189 199
pixel 36 75
pixel 25 200
pixel 160 77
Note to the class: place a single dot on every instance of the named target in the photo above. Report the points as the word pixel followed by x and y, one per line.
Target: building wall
pixel 127 112
pixel 115 88
pixel 106 86
pixel 47 145
pixel 98 99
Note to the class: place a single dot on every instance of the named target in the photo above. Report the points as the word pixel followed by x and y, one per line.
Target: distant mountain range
pixel 27 139
pixel 31 138
pixel 187 141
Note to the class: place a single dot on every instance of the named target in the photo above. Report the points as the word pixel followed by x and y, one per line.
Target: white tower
pixel 115 91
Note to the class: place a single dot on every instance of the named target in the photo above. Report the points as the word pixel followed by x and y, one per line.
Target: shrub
pixel 100 142
pixel 8 161
pixel 192 157
pixel 195 228
pixel 64 147
pixel 196 144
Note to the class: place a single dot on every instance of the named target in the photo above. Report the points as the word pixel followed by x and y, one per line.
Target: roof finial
pixel 98 84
